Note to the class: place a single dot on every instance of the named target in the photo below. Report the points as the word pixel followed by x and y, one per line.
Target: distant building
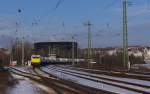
pixel 4 51
pixel 100 51
pixel 59 49
pixel 137 51
pixel 4 57
pixel 147 54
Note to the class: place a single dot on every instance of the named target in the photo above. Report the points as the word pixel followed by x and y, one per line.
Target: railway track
pixel 105 83
pixel 136 75
pixel 83 88
pixel 111 78
pixel 61 86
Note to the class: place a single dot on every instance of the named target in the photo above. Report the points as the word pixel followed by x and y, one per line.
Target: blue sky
pixel 43 20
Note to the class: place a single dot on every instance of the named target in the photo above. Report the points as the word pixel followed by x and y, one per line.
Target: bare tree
pixel 17 52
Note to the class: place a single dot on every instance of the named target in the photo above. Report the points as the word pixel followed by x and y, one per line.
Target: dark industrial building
pixel 60 49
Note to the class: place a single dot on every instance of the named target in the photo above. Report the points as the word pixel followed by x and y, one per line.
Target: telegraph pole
pixel 11 52
pixel 88 24
pixel 16 43
pixel 73 49
pixel 125 35
pixel 19 11
pixel 22 49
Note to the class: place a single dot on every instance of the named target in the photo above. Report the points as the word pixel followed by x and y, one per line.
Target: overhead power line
pixel 58 4
pixel 52 11
pixel 109 5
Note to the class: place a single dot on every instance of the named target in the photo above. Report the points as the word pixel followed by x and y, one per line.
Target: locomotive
pixel 35 60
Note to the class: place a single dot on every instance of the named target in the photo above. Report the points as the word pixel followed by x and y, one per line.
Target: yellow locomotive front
pixel 35 60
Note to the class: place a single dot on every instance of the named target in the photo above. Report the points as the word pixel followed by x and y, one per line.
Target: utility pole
pixel 16 43
pixel 73 50
pixel 19 11
pixel 88 24
pixel 49 51
pixel 125 35
pixel 11 53
pixel 22 49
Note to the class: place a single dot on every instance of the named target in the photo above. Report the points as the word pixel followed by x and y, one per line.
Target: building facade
pixel 58 49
